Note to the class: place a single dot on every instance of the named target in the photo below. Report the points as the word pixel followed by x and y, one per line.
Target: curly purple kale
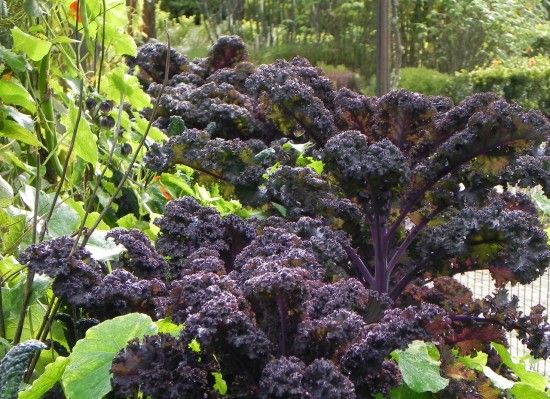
pixel 304 193
pixel 380 166
pixel 161 366
pixel 141 258
pixel 288 377
pixel 327 336
pixel 405 197
pixel 188 295
pixel 196 149
pixel 509 221
pixel 226 52
pixel 186 227
pixel 203 260
pixel 224 329
pixel 347 294
pixel 75 273
pixel 120 292
pixel 55 257
pixel 151 58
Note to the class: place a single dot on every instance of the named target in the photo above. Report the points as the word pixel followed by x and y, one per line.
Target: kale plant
pixel 411 178
pixel 371 205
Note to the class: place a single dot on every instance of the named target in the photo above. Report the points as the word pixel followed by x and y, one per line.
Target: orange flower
pixel 165 193
pixel 7 76
pixel 74 10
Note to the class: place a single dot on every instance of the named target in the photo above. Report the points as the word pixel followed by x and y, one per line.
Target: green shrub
pixel 425 81
pixel 523 80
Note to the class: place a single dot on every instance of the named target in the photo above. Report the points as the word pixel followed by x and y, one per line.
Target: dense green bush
pixel 524 80
pixel 425 81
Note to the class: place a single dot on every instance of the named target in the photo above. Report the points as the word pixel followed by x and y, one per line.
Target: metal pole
pixel 383 46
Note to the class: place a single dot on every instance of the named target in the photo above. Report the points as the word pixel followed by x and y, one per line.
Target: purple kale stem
pixel 381 275
pixel 405 280
pixel 360 267
pixel 410 238
pixel 282 308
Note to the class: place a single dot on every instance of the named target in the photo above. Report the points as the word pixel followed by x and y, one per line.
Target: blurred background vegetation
pixel 452 47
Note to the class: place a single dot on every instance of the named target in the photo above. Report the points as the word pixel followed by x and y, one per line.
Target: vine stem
pixel 101 58
pixel 42 334
pixel 30 274
pixel 66 163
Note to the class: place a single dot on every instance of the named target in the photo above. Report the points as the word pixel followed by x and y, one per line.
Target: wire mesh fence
pixel 481 284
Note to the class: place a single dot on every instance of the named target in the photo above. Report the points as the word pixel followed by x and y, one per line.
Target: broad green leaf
pixel 12 229
pixel 118 83
pixel 476 362
pixel 124 44
pixel 15 62
pixel 532 378
pixel 32 46
pixel 498 381
pixel 177 181
pixel 6 193
pixel 128 221
pixel 301 148
pixel 85 144
pixel 23 119
pixel 51 375
pixel 419 364
pixel 522 390
pixel 8 264
pixel 87 375
pixel 63 40
pixel 317 165
pixel 154 132
pixel 5 346
pixel 13 93
pixel 103 249
pixel 10 157
pixel 13 130
pixel 281 209
pixel 64 220
pixel 12 302
pixel 167 326
pixel 92 217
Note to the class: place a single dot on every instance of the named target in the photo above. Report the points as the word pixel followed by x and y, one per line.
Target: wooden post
pixel 383 47
pixel 149 23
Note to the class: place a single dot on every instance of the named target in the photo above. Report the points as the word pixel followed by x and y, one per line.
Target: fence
pixel 481 284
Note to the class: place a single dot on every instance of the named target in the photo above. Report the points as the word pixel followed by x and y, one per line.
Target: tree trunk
pixel 149 26
pixel 383 45
pixel 398 46
pixel 131 6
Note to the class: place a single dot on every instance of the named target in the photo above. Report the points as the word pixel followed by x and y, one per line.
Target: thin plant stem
pixel 101 58
pixel 66 163
pixel 30 274
pixel 43 334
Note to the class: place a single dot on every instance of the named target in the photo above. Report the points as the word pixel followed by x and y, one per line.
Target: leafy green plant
pixel 419 365
pixel 425 81
pixel 523 80
pixel 87 372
